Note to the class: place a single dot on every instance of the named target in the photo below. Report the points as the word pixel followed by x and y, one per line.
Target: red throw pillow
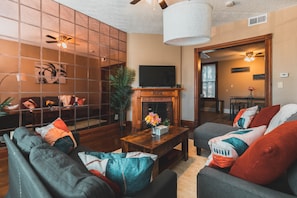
pixel 264 116
pixel 115 187
pixel 267 158
pixel 59 123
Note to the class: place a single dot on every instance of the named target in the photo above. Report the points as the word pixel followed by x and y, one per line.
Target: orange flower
pixel 152 119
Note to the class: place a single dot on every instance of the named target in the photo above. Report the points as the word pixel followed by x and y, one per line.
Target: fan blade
pixel 52 37
pixel 163 4
pixel 134 2
pixel 68 38
pixel 52 41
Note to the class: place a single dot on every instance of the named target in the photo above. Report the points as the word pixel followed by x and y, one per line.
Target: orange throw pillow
pixel 270 156
pixel 264 116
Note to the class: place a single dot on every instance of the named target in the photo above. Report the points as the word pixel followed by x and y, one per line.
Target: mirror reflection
pixel 57 65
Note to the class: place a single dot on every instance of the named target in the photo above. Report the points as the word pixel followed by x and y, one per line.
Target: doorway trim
pixel 267 39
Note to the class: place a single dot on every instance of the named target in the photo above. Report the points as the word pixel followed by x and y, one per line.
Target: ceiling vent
pixel 257 20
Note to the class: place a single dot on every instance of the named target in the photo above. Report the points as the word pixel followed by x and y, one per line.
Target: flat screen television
pixel 157 76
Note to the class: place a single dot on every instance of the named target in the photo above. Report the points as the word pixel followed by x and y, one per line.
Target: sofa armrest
pixel 165 185
pixel 213 183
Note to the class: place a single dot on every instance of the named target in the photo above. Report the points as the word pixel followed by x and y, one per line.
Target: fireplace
pixel 163 101
pixel 163 109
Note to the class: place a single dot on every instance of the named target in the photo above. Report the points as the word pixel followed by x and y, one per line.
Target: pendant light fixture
pixel 187 23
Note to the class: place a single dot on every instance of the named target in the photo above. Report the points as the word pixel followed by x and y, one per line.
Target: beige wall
pixel 282 24
pixel 147 49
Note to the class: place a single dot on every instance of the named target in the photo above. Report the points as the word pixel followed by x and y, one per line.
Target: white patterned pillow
pixel 282 115
pixel 246 117
pixel 227 148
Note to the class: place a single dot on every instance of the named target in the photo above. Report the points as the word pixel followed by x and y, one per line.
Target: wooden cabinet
pixel 142 95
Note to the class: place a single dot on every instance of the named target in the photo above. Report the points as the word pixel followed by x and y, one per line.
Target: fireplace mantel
pixel 141 95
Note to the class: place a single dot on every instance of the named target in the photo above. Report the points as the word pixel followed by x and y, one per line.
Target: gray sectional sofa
pixel 37 169
pixel 216 182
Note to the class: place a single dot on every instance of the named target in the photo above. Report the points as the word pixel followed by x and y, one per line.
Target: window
pixel 209 80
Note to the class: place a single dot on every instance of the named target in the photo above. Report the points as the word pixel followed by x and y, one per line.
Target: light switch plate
pixel 280 84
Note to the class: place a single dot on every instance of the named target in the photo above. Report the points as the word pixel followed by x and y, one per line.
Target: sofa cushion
pixel 269 156
pixel 26 139
pixel 264 116
pixel 30 104
pixel 244 117
pixel 80 101
pixel 63 176
pixel 49 101
pixel 292 177
pixel 282 115
pixel 57 134
pixel 131 171
pixel 67 100
pixel 226 149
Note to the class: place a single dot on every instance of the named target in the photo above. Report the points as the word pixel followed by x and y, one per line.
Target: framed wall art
pixel 50 73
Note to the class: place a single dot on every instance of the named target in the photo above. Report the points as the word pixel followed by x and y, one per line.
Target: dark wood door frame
pixel 267 39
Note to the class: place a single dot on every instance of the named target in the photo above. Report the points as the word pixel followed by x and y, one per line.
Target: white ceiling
pixel 145 18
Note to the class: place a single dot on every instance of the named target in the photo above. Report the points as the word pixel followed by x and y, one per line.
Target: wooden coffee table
pixel 159 145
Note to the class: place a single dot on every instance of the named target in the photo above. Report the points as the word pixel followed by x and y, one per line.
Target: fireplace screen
pixel 163 109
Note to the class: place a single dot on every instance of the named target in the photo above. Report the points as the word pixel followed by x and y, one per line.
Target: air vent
pixel 257 20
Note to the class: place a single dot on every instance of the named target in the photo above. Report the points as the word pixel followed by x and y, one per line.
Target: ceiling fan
pixel 61 41
pixel 162 3
pixel 250 56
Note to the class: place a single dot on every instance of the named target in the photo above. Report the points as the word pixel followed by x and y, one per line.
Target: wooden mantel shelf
pixel 141 95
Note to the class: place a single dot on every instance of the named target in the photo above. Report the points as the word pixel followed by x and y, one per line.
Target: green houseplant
pixel 121 93
pixel 5 103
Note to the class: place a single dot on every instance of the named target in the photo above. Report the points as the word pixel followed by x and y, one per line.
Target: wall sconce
pixel 187 23
pixel 249 57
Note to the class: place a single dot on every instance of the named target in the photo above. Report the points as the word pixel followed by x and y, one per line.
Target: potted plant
pixel 121 93
pixel 5 103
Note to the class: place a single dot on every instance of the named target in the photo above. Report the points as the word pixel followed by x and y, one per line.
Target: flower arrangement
pixel 250 88
pixel 153 119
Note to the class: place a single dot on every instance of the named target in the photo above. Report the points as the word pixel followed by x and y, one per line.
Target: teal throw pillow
pixel 130 171
pixel 131 174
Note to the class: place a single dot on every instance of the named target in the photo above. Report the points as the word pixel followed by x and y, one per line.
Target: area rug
pixel 187 172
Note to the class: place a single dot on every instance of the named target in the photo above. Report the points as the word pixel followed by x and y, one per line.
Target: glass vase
pixel 154 131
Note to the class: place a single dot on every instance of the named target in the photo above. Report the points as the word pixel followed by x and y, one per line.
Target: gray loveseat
pixel 57 174
pixel 215 182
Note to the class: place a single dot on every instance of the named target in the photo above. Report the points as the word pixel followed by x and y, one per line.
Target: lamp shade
pixel 187 23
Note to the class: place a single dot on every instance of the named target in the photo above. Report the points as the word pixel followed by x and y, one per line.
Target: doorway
pixel 266 40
